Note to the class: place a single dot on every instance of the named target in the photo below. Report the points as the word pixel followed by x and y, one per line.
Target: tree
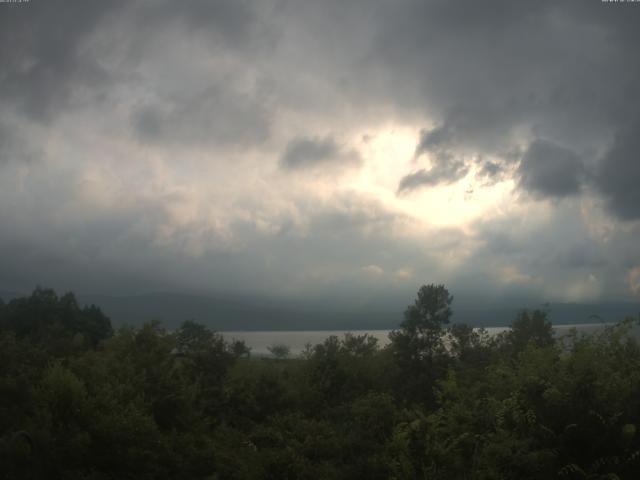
pixel 470 346
pixel 418 346
pixel 279 350
pixel 57 322
pixel 239 348
pixel 207 359
pixel 359 345
pixel 530 327
pixel 420 334
pixel 193 338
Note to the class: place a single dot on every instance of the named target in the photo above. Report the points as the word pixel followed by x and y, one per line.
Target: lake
pixel 296 339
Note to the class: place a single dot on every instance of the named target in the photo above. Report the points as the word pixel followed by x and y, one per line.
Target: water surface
pixel 259 341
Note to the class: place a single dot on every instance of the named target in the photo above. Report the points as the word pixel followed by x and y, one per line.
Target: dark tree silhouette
pixel 418 346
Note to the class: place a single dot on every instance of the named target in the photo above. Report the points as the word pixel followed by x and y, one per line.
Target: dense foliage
pixel 79 401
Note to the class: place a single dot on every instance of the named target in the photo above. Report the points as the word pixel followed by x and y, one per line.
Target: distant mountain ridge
pixel 233 313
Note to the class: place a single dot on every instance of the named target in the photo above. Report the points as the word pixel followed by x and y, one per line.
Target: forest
pixel 80 400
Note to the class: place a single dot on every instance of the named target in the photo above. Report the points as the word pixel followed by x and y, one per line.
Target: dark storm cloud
pixel 17 145
pixel 559 255
pixel 307 153
pixel 124 247
pixel 444 170
pixel 445 167
pixel 5 142
pixel 482 66
pixel 618 176
pixel 549 170
pixel 434 139
pixel 498 73
pixel 215 116
pixel 42 60
pixel 581 254
pixel 491 171
pixel 233 22
pixel 59 241
pixel 491 77
pixel 52 54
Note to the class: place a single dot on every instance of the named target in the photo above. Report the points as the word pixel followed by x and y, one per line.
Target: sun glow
pixel 389 155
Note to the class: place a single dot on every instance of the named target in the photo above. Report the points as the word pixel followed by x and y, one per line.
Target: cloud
pixel 373 270
pixel 491 170
pixel 618 176
pixel 510 274
pixel 217 115
pixel 230 21
pixel 433 139
pixel 43 63
pixel 444 170
pixel 6 143
pixel 309 153
pixel 559 244
pixel 453 65
pixel 550 171
pixel 403 274
pixel 156 143
pixel 633 280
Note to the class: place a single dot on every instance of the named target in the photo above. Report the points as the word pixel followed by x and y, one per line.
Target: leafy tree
pixel 239 348
pixel 421 331
pixel 207 359
pixel 279 350
pixel 471 347
pixel 439 402
pixel 360 345
pixel 529 327
pixel 418 345
pixel 55 321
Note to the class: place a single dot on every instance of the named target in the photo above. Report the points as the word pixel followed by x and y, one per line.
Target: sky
pixel 336 151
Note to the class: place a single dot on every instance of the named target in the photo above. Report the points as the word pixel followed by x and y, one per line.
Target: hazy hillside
pixel 265 314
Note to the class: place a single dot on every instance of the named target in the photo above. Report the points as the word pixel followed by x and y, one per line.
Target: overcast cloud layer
pixel 322 149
